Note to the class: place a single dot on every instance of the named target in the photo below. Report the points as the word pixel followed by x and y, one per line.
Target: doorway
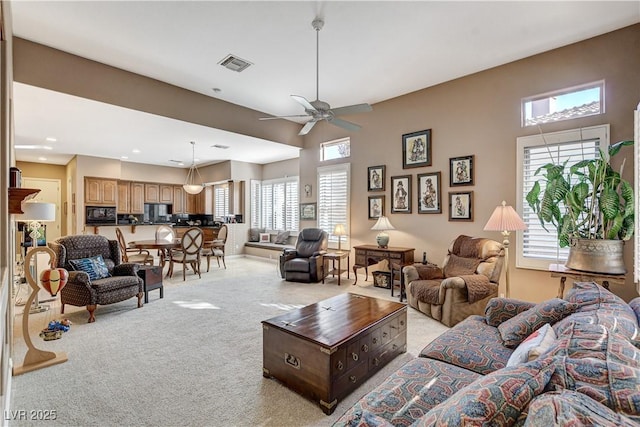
pixel 49 193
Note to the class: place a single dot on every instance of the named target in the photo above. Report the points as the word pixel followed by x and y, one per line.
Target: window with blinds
pixel 333 198
pixel 537 247
pixel 220 201
pixel 275 204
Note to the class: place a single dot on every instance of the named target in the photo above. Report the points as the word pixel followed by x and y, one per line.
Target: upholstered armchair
pixel 467 280
pixel 96 275
pixel 305 262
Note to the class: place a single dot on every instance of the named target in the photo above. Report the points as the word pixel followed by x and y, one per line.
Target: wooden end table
pixel 152 277
pixel 559 270
pixel 333 257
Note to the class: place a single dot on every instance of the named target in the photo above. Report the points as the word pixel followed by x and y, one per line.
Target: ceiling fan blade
pixel 307 127
pixel 303 101
pixel 344 124
pixel 352 109
pixel 283 117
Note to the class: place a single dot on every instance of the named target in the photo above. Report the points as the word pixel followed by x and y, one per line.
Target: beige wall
pixel 480 115
pixel 281 169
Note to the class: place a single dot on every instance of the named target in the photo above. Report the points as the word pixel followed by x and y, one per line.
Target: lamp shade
pixel 505 218
pixel 193 188
pixel 189 185
pixel 339 230
pixel 383 224
pixel 36 211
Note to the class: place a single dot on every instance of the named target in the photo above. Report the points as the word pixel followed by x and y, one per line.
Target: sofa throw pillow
pixel 531 347
pixel 281 238
pixel 254 234
pixel 495 399
pixel 516 329
pixel 95 267
pixel 499 310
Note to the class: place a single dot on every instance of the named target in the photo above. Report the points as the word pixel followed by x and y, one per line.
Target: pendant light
pixel 190 186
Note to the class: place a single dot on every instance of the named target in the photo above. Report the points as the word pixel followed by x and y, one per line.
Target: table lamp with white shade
pixel 505 219
pixel 383 225
pixel 339 231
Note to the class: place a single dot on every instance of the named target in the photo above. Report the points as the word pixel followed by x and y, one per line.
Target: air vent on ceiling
pixel 234 63
pixel 223 147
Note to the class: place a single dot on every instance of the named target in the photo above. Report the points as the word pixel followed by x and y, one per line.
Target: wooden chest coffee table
pixel 326 350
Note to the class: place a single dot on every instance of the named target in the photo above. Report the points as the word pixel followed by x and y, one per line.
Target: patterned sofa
pixel 501 369
pixel 96 275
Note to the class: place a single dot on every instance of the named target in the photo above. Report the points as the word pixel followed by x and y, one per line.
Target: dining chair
pixel 216 247
pixel 188 253
pixel 132 255
pixel 164 232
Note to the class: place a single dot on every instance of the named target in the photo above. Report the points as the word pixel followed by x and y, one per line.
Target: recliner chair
pixel 305 262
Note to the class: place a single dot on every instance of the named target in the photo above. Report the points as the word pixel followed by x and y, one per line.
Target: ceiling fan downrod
pixel 317 25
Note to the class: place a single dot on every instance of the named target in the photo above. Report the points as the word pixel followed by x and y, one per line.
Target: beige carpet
pixel 193 358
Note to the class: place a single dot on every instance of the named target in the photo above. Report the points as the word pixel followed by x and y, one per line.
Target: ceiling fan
pixel 319 110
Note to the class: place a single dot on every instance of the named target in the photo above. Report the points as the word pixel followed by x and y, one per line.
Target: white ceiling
pixel 369 52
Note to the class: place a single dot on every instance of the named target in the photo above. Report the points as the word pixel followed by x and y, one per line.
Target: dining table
pixel 163 245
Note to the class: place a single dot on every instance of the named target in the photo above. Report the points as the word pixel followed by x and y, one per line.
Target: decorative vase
pixel 596 256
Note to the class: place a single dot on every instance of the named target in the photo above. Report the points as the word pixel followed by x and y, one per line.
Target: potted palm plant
pixel 592 208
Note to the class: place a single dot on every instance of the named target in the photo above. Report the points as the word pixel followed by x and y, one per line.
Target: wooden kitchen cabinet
pixel 151 193
pixel 124 204
pixel 137 197
pixel 178 199
pixel 166 193
pixel 99 191
pixel 191 203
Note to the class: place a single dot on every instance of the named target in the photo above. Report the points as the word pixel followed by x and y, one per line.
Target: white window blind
pixel 537 247
pixel 279 204
pixel 333 198
pixel 220 201
pixel 255 203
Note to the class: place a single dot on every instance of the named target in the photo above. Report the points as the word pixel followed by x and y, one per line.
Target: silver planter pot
pixel 596 256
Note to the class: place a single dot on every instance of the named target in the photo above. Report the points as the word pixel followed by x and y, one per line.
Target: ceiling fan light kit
pixel 319 110
pixel 189 185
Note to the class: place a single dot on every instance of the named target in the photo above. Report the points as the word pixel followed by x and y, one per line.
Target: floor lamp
pixel 505 219
pixel 34 213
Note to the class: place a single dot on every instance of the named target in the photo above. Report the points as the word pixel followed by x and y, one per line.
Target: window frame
pixel 321 213
pixel 600 132
pixel 293 209
pixel 333 143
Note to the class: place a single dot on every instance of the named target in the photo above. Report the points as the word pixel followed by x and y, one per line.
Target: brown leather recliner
pixel 463 286
pixel 305 262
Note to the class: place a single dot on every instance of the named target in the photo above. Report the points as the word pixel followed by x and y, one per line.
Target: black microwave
pixel 101 215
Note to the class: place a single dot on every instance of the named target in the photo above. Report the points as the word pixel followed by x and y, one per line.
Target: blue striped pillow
pixel 95 267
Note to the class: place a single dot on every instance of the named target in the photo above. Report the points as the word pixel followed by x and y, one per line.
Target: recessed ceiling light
pixel 135 150
pixel 51 139
pixel 42 159
pixel 124 157
pixel 32 147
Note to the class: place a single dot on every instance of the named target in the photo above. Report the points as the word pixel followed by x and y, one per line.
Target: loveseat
pixel 500 368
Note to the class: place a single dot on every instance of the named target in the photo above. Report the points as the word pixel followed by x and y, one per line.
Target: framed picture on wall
pixel 376 206
pixel 375 178
pixel 429 200
pixel 401 194
pixel 461 206
pixel 307 211
pixel 416 149
pixel 461 171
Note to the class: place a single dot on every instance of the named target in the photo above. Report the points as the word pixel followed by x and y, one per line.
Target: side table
pixel 152 277
pixel 333 257
pixel 559 270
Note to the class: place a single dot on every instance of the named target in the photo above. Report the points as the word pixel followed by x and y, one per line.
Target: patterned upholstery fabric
pixel 499 310
pixel 472 345
pixel 409 393
pixel 80 289
pixel 611 383
pixel 496 399
pixel 519 327
pixel 599 306
pixel 635 306
pixel 566 407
